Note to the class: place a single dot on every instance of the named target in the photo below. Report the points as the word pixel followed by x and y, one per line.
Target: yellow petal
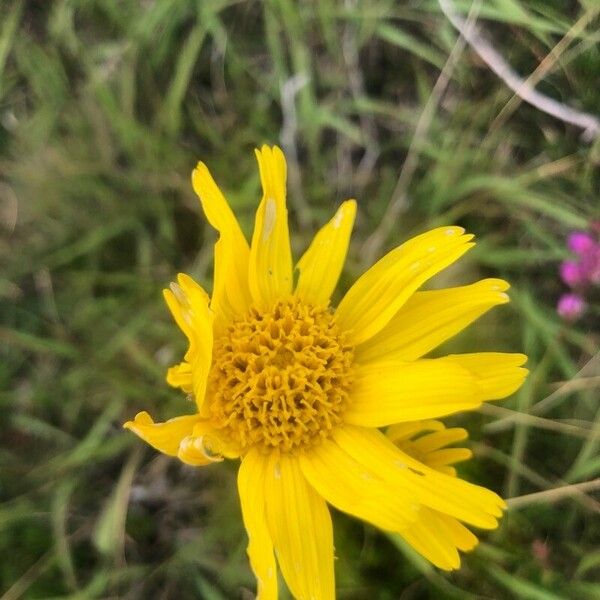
pixel 166 436
pixel 231 295
pixel 457 533
pixel 301 530
pixel 201 448
pixel 400 432
pixel 322 263
pixel 354 489
pixel 251 487
pixel 432 543
pixel 388 392
pixel 447 456
pixel 380 292
pixel 430 318
pixel 431 448
pixel 189 305
pixel 180 376
pixel 438 537
pixel 179 315
pixel 449 495
pixel 438 439
pixel 498 374
pixel 446 470
pixel 270 269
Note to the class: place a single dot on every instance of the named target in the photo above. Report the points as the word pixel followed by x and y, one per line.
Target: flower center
pixel 280 378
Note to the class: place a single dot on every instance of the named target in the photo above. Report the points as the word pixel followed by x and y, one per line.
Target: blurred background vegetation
pixel 106 105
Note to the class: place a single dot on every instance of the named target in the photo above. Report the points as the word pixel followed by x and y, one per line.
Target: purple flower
pixel 570 306
pixel 585 268
pixel 581 243
pixel 571 273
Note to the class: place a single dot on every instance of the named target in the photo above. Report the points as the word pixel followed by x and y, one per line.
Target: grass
pixel 104 108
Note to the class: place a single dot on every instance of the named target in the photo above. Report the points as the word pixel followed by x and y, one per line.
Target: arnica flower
pixel 298 390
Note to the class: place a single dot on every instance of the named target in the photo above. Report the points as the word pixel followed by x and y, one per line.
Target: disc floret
pixel 280 378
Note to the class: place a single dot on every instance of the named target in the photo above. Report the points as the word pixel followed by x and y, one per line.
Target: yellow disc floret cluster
pixel 280 378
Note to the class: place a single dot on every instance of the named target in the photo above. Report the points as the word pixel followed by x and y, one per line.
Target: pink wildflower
pixel 571 306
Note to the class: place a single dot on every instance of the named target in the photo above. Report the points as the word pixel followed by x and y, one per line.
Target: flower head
pixel 580 274
pixel 581 242
pixel 571 273
pixel 571 306
pixel 298 390
pixel 585 269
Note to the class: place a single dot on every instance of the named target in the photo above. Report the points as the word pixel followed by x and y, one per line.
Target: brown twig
pixel 555 494
pixel 546 65
pixel 589 370
pixel 516 417
pixel 534 476
pixel 522 88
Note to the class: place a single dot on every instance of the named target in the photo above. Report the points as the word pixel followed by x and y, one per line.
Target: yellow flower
pixel 297 390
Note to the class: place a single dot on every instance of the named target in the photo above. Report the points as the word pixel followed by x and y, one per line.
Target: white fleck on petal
pixel 269 222
pixel 337 219
pixel 178 293
pixel 186 311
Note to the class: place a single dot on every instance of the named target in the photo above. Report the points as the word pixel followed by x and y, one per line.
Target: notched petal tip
pixel 184 280
pixel 178 293
pixel 270 265
pixel 141 418
pixel 198 171
pixel 320 266
pixel 202 180
pixel 165 436
pixel 272 166
pixel 520 359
